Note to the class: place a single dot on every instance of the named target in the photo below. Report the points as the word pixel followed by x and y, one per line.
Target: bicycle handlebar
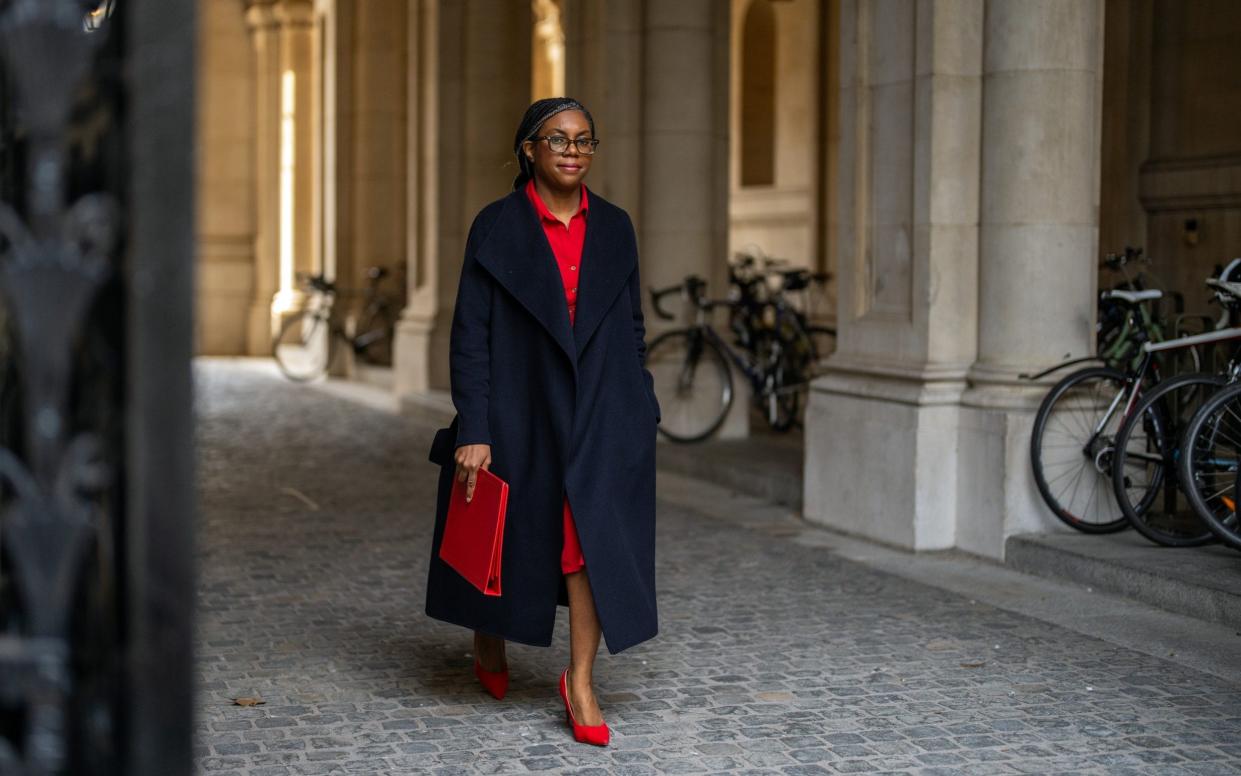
pixel 659 293
pixel 692 289
pixel 1228 287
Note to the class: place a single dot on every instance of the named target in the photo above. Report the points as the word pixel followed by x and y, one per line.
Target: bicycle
pixel 1123 326
pixel 761 288
pixel 306 344
pixel 1165 413
pixel 1211 449
pixel 691 371
pixel 1073 440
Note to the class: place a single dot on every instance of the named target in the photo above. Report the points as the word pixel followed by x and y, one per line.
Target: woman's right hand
pixel 471 458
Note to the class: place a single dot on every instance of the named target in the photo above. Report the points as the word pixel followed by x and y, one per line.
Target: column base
pixel 420 354
pixel 881 456
pixel 998 497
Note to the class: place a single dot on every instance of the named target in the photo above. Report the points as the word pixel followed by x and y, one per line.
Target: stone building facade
pixel 959 165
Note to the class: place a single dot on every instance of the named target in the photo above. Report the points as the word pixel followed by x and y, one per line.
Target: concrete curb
pixel 1054 558
pixel 763 470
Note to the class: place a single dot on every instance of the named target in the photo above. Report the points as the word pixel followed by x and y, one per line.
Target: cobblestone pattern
pixel 772 658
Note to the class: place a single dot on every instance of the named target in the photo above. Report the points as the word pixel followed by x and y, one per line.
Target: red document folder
pixel 474 531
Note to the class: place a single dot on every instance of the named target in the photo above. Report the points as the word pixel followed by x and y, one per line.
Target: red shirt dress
pixel 566 243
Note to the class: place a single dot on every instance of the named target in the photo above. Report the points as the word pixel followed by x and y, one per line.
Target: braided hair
pixel 538 112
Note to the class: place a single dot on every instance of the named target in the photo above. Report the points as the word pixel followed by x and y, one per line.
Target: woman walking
pixel 547 359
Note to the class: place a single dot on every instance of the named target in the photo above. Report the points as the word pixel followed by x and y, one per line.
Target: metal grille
pixel 95 589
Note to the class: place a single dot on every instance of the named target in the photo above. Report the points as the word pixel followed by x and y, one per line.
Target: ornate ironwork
pixel 73 613
pixel 53 262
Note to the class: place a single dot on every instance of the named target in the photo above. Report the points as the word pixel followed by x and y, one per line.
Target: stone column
pixel 684 158
pixel 469 85
pixel 282 32
pixel 265 36
pixel 225 180
pixel 296 151
pixel 1038 246
pixel 603 56
pixel 684 142
pixel 881 428
pixel 380 68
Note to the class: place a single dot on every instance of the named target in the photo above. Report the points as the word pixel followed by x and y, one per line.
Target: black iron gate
pixel 96 582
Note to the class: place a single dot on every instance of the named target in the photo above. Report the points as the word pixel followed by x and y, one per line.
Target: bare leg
pixel 583 644
pixel 490 651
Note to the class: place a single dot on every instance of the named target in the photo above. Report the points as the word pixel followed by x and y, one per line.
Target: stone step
pixel 764 465
pixel 370 374
pixel 1200 582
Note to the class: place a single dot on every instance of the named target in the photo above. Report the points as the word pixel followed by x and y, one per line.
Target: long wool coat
pixel 567 409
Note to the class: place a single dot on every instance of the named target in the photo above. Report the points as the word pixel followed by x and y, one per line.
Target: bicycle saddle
pixel 1133 297
pixel 1228 287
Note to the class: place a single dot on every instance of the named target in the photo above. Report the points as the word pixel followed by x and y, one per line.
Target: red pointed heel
pixel 585 734
pixel 495 682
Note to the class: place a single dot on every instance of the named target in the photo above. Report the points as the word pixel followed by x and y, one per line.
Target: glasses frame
pixel 591 142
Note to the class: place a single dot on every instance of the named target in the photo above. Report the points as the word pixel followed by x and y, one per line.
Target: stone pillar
pixel 684 158
pixel 1038 246
pixel 603 55
pixel 225 180
pixel 684 142
pixel 881 427
pixel 377 111
pixel 265 36
pixel 469 86
pixel 296 150
pixel 282 32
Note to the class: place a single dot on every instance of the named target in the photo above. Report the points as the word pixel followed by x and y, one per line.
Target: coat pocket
pixel 443 445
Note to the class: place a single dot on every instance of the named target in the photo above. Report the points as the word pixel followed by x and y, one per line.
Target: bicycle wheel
pixel 692 383
pixel 1071 449
pixel 1144 466
pixel 1209 454
pixel 303 348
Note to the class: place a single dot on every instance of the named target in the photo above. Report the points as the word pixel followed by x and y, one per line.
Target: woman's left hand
pixel 471 458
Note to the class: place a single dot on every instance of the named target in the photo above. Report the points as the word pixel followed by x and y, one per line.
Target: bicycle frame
pixel 1133 381
pixel 742 365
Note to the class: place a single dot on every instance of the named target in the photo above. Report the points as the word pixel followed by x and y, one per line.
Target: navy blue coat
pixel 567 409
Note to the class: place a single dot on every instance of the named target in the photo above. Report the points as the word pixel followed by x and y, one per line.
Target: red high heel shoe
pixel 495 682
pixel 585 734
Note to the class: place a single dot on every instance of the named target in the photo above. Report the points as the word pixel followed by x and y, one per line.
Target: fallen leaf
pixel 248 701
pixel 979 664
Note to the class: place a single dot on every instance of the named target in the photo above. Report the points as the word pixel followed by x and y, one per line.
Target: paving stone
pixel 773 657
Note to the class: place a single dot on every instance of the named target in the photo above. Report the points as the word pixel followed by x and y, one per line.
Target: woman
pixel 552 395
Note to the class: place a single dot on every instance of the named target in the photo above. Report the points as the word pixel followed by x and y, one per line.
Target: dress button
pixel 574 289
pixel 573 266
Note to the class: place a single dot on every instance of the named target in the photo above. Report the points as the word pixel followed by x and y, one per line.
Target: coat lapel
pixel 604 270
pixel 516 253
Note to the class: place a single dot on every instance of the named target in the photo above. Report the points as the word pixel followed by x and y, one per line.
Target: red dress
pixel 566 243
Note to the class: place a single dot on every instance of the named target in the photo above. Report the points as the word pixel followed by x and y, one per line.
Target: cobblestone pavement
pixel 773 658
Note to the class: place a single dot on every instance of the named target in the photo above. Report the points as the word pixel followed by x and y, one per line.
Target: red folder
pixel 474 531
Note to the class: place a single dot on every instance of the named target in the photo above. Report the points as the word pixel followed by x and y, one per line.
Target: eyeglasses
pixel 559 144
